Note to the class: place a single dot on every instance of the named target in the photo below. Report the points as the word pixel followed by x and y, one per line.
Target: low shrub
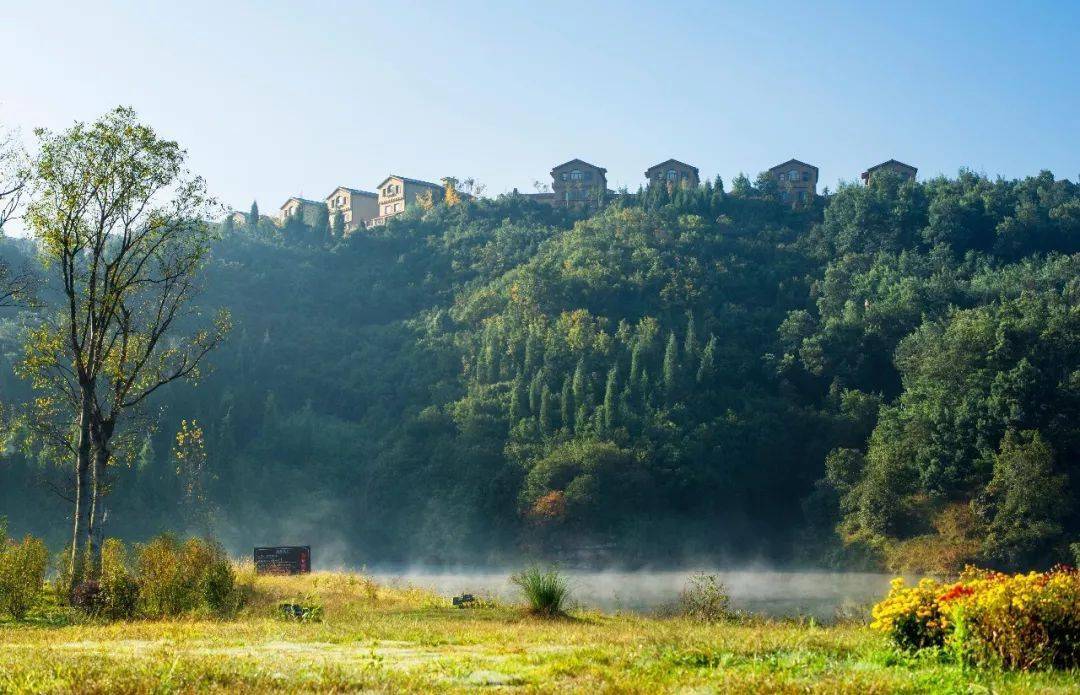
pixel 545 590
pixel 192 577
pixel 705 599
pixel 1023 621
pixel 119 594
pixel 22 574
pixel 86 596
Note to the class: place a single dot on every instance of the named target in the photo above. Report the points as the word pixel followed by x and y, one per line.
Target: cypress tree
pixel 581 419
pixel 610 394
pixel 546 411
pixel 708 362
pixel 635 364
pixel 493 361
pixel 644 390
pixel 671 366
pixel 690 347
pixel 517 400
pixel 534 392
pixel 580 383
pixel 253 216
pixel 566 404
pixel 690 343
pixel 531 349
pixel 337 225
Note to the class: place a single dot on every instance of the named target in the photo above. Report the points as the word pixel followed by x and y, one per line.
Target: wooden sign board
pixel 284 559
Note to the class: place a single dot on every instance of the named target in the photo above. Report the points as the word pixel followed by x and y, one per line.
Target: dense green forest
pixel 888 377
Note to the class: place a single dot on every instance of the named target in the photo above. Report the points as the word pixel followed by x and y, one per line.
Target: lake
pixel 772 593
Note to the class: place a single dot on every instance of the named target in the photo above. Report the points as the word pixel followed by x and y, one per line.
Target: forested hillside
pixel 891 376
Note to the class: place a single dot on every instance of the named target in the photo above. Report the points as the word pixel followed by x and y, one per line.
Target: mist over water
pixel 766 592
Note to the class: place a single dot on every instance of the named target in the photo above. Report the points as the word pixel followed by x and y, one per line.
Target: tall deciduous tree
pixel 122 224
pixel 15 182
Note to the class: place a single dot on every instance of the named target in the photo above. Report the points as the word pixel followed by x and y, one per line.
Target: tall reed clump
pixel 22 573
pixel 545 590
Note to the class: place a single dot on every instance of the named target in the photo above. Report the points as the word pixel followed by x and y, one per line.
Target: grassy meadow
pixel 388 639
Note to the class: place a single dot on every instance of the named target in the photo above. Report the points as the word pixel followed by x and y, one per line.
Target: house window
pixel 397 207
pixel 793 175
pixel 576 175
pixel 671 175
pixel 802 196
pixel 564 176
pixel 806 176
pixel 783 196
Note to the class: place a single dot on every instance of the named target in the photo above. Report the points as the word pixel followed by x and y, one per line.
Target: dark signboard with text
pixel 283 559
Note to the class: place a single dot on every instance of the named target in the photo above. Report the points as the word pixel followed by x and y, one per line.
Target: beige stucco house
pixel 357 207
pixel 796 181
pixel 396 193
pixel 578 183
pixel 905 170
pixel 310 211
pixel 673 173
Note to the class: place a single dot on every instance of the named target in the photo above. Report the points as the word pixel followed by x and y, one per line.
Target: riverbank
pixel 401 639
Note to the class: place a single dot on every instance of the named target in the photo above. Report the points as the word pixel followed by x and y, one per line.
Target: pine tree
pixel 611 391
pixel 253 216
pixel 671 366
pixel 707 369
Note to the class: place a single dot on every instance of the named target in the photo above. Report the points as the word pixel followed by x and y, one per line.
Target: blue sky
pixel 277 98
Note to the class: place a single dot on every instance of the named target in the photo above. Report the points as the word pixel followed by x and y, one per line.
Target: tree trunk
pixel 81 516
pixel 95 531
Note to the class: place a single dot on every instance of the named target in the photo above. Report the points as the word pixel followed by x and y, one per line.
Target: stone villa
pixel 673 173
pixel 905 170
pixel 357 207
pixel 398 192
pixel 577 183
pixel 310 211
pixel 796 181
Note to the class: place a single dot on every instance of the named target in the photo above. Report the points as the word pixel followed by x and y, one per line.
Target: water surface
pixel 773 593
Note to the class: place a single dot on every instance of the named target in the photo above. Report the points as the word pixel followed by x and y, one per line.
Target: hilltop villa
pixel 398 192
pixel 310 211
pixel 905 170
pixel 357 207
pixel 577 183
pixel 797 181
pixel 673 173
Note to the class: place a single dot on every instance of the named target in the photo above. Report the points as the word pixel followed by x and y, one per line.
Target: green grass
pixel 405 640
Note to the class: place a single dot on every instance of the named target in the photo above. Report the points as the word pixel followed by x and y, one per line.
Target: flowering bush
pixel 1022 621
pixel 911 615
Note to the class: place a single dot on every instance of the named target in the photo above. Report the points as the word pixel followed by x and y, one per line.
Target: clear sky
pixel 276 98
